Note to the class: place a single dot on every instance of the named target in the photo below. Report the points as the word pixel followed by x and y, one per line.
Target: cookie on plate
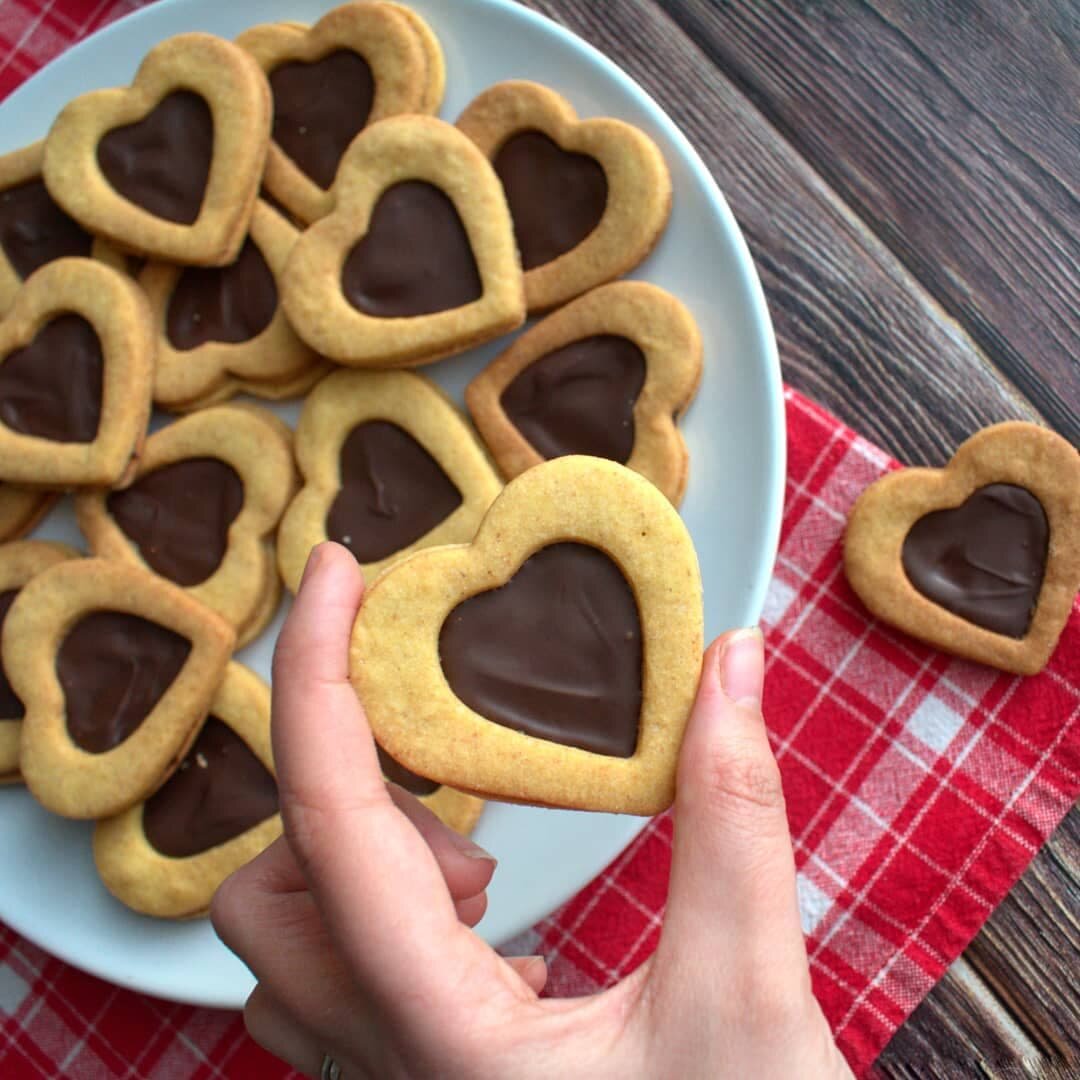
pixel 980 558
pixel 202 510
pixel 116 669
pixel 607 375
pixel 589 198
pixel 389 466
pixel 514 667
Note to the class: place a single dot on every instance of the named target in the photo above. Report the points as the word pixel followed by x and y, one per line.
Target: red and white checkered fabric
pixel 919 786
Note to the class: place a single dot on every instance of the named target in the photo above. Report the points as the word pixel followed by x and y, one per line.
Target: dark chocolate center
pixel 415 258
pixel 113 668
pixel 983 560
pixel 11 708
pixel 579 399
pixel 34 230
pixel 319 108
pixel 392 492
pixel 396 773
pixel 52 387
pixel 556 198
pixel 555 653
pixel 179 516
pixel 162 162
pixel 220 790
pixel 229 303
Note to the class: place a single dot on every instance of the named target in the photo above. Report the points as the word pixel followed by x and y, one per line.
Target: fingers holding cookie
pixel 606 376
pixel 202 510
pixel 589 198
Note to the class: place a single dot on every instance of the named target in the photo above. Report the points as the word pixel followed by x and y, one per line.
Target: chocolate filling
pixel 34 230
pixel 162 162
pixel 392 492
pixel 229 303
pixel 179 516
pixel 983 560
pixel 11 708
pixel 52 387
pixel 579 399
pixel 556 198
pixel 220 790
pixel 113 668
pixel 396 773
pixel 555 653
pixel 319 108
pixel 415 258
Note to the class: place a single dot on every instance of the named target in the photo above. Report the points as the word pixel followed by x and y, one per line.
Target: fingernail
pixel 313 559
pixel 742 665
pixel 471 850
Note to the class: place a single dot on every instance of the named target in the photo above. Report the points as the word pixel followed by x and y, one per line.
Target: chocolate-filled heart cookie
pixel 19 562
pixel 202 509
pixel 606 376
pixel 21 508
pixel 389 465
pixel 416 262
pixel 166 856
pixel 115 668
pixel 222 330
pixel 361 62
pixel 589 198
pixel 553 660
pixel 170 166
pixel 979 558
pixel 76 363
pixel 33 229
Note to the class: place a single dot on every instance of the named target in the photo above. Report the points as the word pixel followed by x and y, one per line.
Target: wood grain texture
pixel 914 359
pixel 953 129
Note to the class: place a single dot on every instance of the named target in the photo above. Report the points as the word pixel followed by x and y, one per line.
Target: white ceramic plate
pixel 49 890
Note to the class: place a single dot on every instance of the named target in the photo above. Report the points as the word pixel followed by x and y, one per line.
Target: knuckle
pixel 746 780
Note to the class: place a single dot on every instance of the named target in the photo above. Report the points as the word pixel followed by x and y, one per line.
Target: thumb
pixel 732 893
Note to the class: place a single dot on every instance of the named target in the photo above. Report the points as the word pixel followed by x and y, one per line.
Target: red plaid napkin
pixel 919 787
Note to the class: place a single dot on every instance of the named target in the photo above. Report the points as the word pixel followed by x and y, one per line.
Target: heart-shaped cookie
pixel 606 376
pixel 980 558
pixel 555 659
pixel 116 668
pixel 76 364
pixel 170 166
pixel 361 62
pixel 19 562
pixel 202 509
pixel 222 328
pixel 454 808
pixel 21 508
pixel 389 466
pixel 167 856
pixel 33 229
pixel 589 198
pixel 416 262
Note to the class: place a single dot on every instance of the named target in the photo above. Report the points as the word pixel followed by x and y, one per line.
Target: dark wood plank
pixel 858 332
pixel 855 330
pixel 953 129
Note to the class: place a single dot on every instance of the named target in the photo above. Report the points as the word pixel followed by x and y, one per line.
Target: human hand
pixel 357 924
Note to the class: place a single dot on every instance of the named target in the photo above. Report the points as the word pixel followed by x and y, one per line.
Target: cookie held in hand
pixel 606 376
pixel 167 856
pixel 555 659
pixel 170 166
pixel 19 562
pixel 416 262
pixel 389 466
pixel 116 668
pixel 202 511
pixel 76 367
pixel 589 198
pixel 980 558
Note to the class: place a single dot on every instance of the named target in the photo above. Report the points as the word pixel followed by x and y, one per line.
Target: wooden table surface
pixel 905 172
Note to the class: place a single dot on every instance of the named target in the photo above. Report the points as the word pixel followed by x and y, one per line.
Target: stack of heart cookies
pixel 283 216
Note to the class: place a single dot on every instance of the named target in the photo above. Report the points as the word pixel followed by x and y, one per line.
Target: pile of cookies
pixel 283 216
